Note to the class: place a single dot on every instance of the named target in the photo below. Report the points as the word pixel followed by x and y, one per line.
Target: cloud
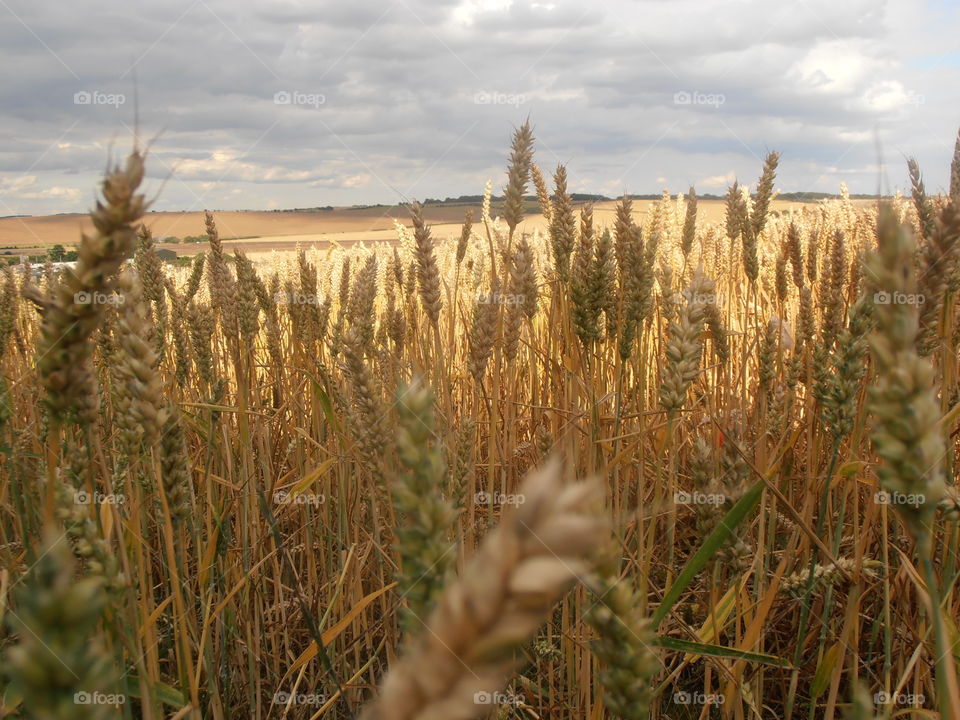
pixel 419 97
pixel 717 182
pixel 26 187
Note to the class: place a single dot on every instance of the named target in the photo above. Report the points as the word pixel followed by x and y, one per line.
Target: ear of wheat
pixel 562 225
pixel 75 311
pixel 907 433
pixel 685 344
pixel 428 274
pixel 425 544
pixel 761 204
pixel 625 646
pixel 912 446
pixel 518 173
pixel 56 664
pixel 689 224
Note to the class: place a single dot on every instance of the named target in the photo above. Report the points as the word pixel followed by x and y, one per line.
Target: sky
pixel 295 103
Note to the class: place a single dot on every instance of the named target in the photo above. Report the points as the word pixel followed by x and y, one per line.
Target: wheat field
pixel 668 468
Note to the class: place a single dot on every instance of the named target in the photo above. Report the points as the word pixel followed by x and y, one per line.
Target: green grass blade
pixel 696 648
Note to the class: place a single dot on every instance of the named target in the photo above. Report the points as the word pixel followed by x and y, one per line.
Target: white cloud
pixel 466 12
pixel 26 187
pixel 230 162
pixel 836 67
pixel 717 182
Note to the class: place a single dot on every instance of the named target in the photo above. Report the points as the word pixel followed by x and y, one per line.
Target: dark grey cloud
pixel 293 103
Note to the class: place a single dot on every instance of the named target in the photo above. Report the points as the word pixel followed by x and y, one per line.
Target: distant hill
pixel 531 200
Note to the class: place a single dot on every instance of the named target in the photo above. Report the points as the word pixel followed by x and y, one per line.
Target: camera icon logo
pixel 882 298
pixel 82 298
pixel 82 98
pixel 482 498
pixel 482 698
pixel 282 98
pixel 82 698
pixel 81 497
pixel 682 98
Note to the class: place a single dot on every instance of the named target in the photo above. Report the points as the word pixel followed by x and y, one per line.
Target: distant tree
pixel 57 253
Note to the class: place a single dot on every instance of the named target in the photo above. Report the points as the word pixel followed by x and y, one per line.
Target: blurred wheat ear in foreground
pixel 469 644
